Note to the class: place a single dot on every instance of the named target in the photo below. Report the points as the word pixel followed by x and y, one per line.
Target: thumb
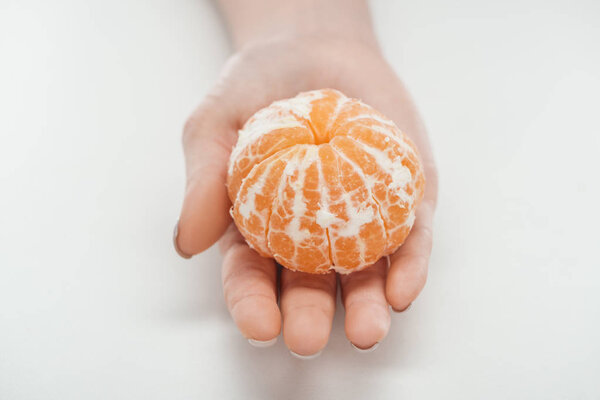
pixel 208 138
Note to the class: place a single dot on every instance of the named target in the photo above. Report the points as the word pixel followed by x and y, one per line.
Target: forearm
pixel 252 21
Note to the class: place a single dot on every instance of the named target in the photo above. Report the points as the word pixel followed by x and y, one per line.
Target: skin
pixel 283 48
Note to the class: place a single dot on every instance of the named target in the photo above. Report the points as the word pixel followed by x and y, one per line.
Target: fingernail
pixel 263 343
pixel 405 308
pixel 367 350
pixel 309 357
pixel 175 234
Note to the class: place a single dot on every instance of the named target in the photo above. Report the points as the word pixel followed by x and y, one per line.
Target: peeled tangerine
pixel 322 181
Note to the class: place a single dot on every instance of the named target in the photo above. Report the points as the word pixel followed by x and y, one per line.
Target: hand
pixel 268 70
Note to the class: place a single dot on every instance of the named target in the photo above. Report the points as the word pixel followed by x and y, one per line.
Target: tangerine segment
pixel 294 237
pixel 349 213
pixel 389 169
pixel 354 111
pixel 324 112
pixel 404 183
pixel 385 180
pixel 305 119
pixel 252 208
pixel 282 124
pixel 262 148
pixel 322 181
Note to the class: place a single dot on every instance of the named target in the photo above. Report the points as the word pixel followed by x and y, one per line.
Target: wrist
pixel 257 21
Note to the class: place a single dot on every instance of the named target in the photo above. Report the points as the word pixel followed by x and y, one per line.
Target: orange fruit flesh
pixel 322 182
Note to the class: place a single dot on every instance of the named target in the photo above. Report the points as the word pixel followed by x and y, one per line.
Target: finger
pixel 208 137
pixel 307 305
pixel 250 288
pixel 408 270
pixel 367 310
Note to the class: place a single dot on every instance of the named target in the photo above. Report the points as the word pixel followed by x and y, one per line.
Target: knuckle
pixel 300 280
pixel 426 235
pixel 209 112
pixel 325 308
pixel 372 300
pixel 235 299
pixel 191 128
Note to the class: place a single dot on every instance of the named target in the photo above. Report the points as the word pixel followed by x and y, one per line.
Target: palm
pixel 252 80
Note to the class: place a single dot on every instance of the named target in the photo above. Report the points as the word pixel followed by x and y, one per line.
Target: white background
pixel 94 303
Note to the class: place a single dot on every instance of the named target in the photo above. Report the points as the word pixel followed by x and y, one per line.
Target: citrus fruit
pixel 322 181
